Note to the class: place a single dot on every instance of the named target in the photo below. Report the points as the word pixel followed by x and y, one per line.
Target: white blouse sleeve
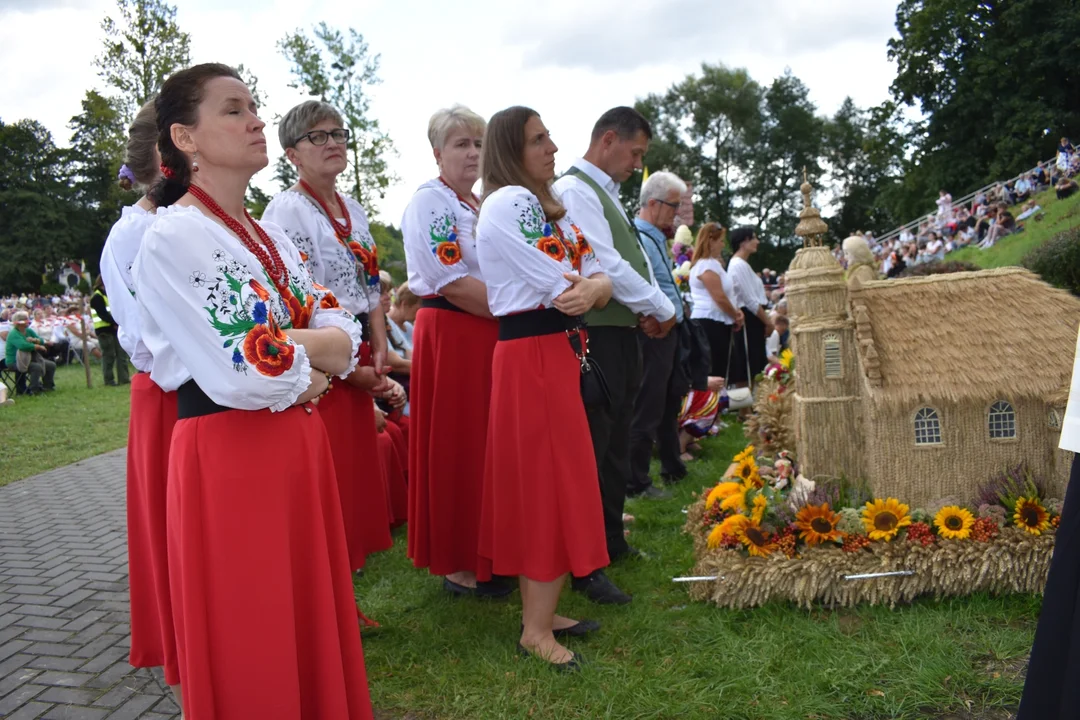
pixel 287 211
pixel 218 319
pixel 122 305
pixel 512 226
pixel 432 250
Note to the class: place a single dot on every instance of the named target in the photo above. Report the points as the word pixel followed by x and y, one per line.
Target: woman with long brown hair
pixel 261 591
pixel 710 297
pixel 541 517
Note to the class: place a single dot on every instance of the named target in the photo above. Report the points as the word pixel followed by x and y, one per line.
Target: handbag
pixel 739 398
pixel 594 388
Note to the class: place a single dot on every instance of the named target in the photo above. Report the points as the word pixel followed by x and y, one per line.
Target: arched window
pixel 927 427
pixel 833 366
pixel 1001 421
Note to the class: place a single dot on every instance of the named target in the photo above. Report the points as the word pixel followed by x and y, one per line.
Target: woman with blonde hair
pixel 450 382
pixel 542 518
pixel 710 297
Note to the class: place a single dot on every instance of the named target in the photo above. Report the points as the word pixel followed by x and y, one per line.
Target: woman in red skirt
pixel 332 234
pixel 259 572
pixel 450 381
pixel 541 515
pixel 153 414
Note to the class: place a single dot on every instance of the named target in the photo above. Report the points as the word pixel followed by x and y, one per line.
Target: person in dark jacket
pixel 105 327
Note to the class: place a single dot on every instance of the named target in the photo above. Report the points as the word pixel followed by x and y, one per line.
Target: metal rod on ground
pixel 868 576
pixel 698 578
pixel 85 342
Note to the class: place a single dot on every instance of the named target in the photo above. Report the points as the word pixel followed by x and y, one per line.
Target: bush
pixel 51 287
pixel 1057 261
pixel 938 267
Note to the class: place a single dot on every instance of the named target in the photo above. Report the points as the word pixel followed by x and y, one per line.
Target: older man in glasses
pixel 25 352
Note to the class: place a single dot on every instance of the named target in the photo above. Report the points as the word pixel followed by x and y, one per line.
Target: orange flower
pixel 552 248
pixel 583 247
pixel 329 301
pixel 449 253
pixel 267 348
pixel 299 315
pixel 368 259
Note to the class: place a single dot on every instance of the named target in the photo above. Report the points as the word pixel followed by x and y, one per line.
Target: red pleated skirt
pixel 153 414
pixel 349 415
pixel 449 395
pixel 394 454
pixel 266 621
pixel 542 516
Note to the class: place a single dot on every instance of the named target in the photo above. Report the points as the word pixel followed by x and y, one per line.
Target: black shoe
pixel 630 553
pixel 125 382
pixel 653 493
pixel 110 383
pixel 579 630
pixel 572 665
pixel 672 478
pixel 490 590
pixel 51 388
pixel 599 588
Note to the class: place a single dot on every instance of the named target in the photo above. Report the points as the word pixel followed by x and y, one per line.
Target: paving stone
pixel 64 664
pixel 17 678
pixel 17 697
pixel 63 679
pixel 75 713
pixel 103 660
pixel 45 635
pixel 68 696
pixel 44 623
pixel 110 676
pixel 135 707
pixel 57 649
pixel 30 711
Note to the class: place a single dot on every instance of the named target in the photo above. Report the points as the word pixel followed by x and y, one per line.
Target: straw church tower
pixel 828 409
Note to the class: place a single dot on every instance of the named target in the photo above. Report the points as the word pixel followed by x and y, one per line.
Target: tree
pixel 341 71
pixel 391 246
pixel 256 201
pixel 996 81
pixel 143 47
pixel 37 217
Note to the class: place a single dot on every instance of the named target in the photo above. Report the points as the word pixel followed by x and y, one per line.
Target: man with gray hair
pixel 659 399
pixel 25 350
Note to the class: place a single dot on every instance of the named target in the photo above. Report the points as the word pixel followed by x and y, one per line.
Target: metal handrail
pixel 963 201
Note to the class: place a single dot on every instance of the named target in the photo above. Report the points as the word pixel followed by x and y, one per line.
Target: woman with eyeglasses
pixel 331 232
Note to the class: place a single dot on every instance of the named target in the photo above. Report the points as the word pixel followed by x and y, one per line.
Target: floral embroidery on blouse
pixel 548 237
pixel 367 258
pixel 444 239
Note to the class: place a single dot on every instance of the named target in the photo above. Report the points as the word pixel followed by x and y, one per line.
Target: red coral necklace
pixel 266 252
pixel 342 230
pixel 471 205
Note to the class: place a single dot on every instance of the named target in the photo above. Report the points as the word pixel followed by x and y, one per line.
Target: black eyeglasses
pixel 669 204
pixel 319 137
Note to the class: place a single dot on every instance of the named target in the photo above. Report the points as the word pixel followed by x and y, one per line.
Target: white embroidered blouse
pixel 117 256
pixel 351 273
pixel 440 239
pixel 523 257
pixel 209 312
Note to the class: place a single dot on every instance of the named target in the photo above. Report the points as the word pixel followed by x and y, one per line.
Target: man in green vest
pixel 590 193
pixel 112 355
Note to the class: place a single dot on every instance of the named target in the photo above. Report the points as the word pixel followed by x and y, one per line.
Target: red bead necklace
pixel 266 252
pixel 471 205
pixel 342 230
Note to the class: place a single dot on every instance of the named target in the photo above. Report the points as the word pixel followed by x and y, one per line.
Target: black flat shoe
pixel 488 590
pixel 570 666
pixel 598 588
pixel 579 630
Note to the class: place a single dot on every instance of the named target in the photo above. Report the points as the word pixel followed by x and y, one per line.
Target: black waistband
pixel 192 402
pixel 440 303
pixel 535 322
pixel 365 325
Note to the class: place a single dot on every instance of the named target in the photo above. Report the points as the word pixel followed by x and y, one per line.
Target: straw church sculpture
pixel 925 387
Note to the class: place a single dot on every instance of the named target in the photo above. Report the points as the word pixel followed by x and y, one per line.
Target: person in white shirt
pixel 1022 188
pixel 331 232
pixel 590 192
pixel 261 587
pixel 453 344
pixel 711 291
pixel 542 517
pixel 748 354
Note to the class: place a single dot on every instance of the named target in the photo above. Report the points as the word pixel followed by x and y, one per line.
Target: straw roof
pixel 967 336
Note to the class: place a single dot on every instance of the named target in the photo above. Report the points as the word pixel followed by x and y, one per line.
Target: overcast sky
pixel 569 59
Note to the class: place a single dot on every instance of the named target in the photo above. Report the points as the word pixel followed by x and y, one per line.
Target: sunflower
pixel 785 359
pixel 746 454
pixel 720 492
pixel 884 518
pixel 713 541
pixel 817 524
pixel 759 504
pixel 954 522
pixel 732 525
pixel 736 501
pixel 1031 515
pixel 757 541
pixel 745 470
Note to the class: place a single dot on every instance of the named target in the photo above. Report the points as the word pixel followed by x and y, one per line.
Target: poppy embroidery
pixel 444 239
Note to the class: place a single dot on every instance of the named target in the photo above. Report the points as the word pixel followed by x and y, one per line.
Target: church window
pixel 1001 421
pixel 927 427
pixel 833 366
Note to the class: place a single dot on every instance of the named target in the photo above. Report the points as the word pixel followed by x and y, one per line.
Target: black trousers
pixel 1052 687
pixel 616 351
pixel 656 413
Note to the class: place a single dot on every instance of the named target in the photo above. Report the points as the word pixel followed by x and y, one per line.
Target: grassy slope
pixel 49 431
pixel 665 657
pixel 1060 215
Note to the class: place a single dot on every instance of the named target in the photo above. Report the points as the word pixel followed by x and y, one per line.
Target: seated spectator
pixel 71 331
pixel 906 236
pixel 935 248
pixel 25 351
pixel 774 344
pixel 1023 188
pixel 697 418
pixel 403 308
pixel 1030 208
pixel 1041 177
pixel 1065 187
pixel 1003 226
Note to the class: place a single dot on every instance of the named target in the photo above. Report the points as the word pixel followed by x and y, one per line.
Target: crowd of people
pixel 291 406
pixel 982 223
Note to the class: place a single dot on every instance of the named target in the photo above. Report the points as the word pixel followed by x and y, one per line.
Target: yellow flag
pixel 645 175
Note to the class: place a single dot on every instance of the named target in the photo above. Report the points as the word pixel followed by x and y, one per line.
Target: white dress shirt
pixel 628 287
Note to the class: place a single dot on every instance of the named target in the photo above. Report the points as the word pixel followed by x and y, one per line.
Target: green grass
pixel 1010 250
pixel 58 428
pixel 667 657
pixel 661 657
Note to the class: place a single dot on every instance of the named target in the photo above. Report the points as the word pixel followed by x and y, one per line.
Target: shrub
pixel 51 287
pixel 938 267
pixel 1057 261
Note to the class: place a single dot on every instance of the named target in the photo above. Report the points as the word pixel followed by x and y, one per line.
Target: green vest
pixel 98 322
pixel 615 314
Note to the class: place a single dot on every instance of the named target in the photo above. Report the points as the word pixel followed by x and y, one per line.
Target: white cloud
pixel 569 60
